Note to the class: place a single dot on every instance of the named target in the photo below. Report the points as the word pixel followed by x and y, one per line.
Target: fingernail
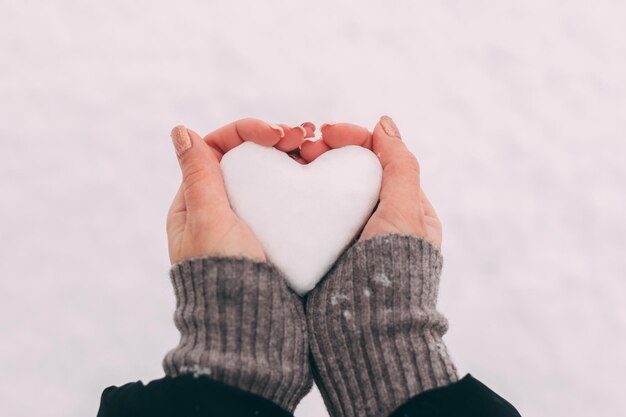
pixel 181 140
pixel 302 129
pixel 279 130
pixel 326 125
pixel 389 126
pixel 308 125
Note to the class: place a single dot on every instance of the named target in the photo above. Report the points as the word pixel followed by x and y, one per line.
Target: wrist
pixel 235 314
pixel 375 333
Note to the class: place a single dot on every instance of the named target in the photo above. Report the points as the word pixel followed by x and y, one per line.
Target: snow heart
pixel 305 216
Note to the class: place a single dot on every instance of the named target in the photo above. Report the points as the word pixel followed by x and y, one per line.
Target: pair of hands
pixel 201 222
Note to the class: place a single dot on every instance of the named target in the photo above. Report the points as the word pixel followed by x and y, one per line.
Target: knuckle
pixel 193 174
pixel 408 165
pixel 412 162
pixel 406 158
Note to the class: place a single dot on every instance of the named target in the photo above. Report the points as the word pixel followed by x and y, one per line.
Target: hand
pixel 200 221
pixel 403 207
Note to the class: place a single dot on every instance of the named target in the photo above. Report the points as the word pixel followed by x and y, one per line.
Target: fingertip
pixel 278 129
pixel 381 141
pixel 326 125
pixel 389 127
pixel 311 150
pixel 399 164
pixel 177 130
pixel 181 140
pixel 302 129
pixel 258 131
pixel 269 136
pixel 337 135
pixel 309 129
pixel 294 136
pixel 253 130
pixel 196 142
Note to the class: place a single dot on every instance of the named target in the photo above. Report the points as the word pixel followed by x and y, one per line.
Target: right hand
pixel 403 207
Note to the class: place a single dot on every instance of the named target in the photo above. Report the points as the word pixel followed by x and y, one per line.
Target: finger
pixel 310 150
pixel 401 173
pixel 234 134
pixel 345 134
pixel 203 184
pixel 294 136
pixel 297 158
pixel 310 129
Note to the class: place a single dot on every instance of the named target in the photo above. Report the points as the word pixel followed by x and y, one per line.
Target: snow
pixel 305 216
pixel 515 110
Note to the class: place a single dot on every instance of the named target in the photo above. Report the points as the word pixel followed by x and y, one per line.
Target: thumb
pixel 203 184
pixel 401 172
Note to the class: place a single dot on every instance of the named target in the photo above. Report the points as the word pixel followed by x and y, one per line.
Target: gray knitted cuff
pixel 241 325
pixel 375 333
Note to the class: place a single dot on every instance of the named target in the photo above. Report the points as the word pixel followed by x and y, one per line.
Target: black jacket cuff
pixel 466 398
pixel 184 396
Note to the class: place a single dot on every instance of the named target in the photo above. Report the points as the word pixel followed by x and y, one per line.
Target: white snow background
pixel 516 111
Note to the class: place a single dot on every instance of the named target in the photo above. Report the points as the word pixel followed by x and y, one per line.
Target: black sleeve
pixel 466 398
pixel 184 396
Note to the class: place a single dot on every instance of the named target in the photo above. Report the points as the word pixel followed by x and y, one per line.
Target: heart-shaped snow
pixel 304 215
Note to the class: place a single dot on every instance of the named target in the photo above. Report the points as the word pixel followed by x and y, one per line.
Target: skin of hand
pixel 402 207
pixel 200 221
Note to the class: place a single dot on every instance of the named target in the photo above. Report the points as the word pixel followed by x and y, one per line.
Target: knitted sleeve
pixel 240 325
pixel 375 332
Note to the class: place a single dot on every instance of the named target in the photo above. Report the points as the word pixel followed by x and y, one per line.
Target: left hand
pixel 200 221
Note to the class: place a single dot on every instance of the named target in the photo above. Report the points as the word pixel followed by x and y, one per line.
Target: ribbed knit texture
pixel 241 325
pixel 375 333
